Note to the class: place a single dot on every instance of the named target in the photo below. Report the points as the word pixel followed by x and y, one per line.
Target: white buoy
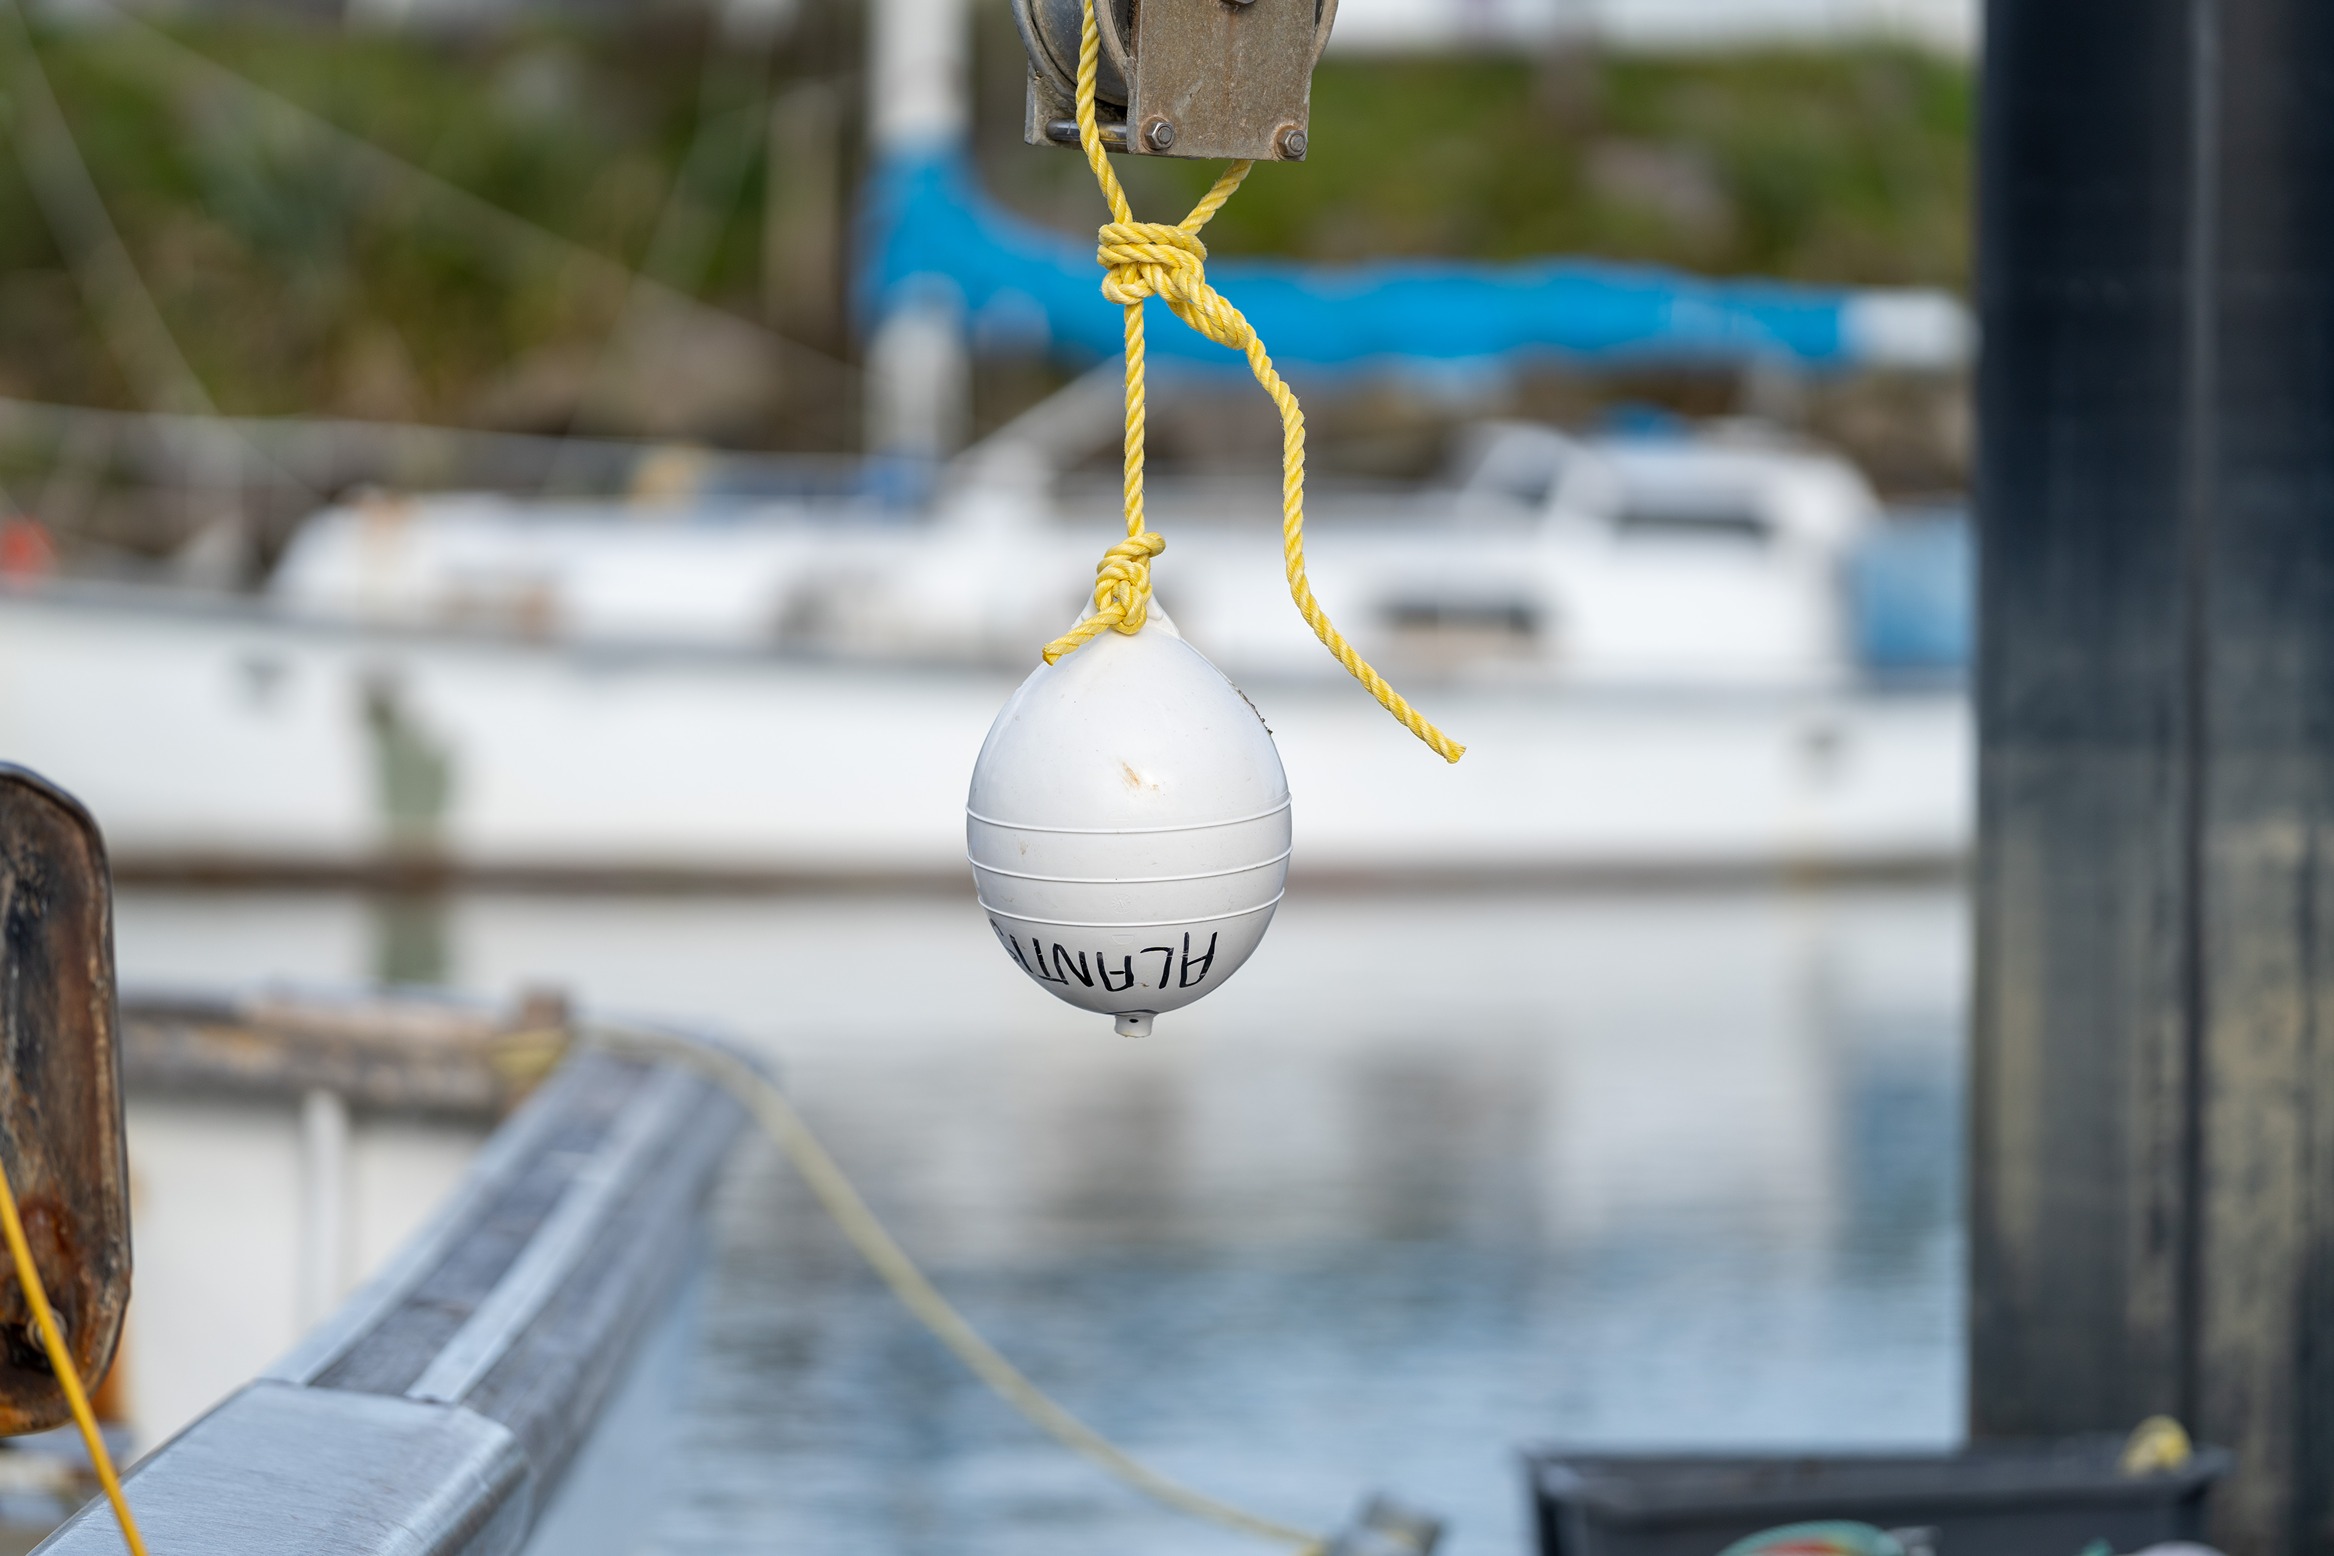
pixel 1128 826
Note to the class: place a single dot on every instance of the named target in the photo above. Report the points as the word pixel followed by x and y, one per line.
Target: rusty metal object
pixel 60 1094
pixel 1204 78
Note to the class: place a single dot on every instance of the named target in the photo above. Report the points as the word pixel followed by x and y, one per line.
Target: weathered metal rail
pixel 411 1056
pixel 435 1413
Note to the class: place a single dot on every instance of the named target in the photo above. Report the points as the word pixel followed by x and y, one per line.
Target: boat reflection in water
pixel 1436 1176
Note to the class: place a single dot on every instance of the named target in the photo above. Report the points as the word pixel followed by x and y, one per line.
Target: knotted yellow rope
pixel 1154 259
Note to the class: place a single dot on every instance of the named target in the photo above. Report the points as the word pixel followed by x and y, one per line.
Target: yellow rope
pixel 1154 259
pixel 875 1244
pixel 2158 1443
pixel 36 1297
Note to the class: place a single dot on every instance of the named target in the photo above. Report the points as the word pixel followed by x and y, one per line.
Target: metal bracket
pixel 1193 78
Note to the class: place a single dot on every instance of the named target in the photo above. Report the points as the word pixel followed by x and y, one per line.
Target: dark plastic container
pixel 2013 1499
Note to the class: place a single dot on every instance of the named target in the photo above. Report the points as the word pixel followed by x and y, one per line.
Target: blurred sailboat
pixel 1696 653
pixel 1667 653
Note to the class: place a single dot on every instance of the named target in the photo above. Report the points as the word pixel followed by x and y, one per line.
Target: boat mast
pixel 918 362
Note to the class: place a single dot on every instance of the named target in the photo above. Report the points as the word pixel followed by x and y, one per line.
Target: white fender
pixel 1128 825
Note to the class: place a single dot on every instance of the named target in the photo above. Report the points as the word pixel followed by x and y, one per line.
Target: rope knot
pixel 1150 259
pixel 1156 259
pixel 1122 593
pixel 1160 259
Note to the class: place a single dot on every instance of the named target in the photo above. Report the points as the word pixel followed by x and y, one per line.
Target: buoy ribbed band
pixel 1153 923
pixel 1187 826
pixel 1128 880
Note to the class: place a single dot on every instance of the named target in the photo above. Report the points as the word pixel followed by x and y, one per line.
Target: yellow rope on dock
pixel 2159 1443
pixel 1156 259
pixel 834 1191
pixel 36 1297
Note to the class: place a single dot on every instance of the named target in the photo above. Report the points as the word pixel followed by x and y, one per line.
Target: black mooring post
pixel 2152 1188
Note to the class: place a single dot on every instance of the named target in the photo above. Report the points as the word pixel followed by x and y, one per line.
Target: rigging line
pixel 688 229
pixel 107 277
pixel 484 217
pixel 677 256
pixel 335 451
pixel 92 245
pixel 68 492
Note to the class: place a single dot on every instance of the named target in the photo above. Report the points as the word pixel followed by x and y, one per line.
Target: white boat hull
pixel 231 739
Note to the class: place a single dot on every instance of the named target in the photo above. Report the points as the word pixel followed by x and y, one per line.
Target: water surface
pixel 1435 1177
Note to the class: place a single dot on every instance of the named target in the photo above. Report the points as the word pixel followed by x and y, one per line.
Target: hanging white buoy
pixel 1128 825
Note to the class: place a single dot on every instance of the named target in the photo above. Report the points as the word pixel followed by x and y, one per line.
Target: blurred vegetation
pixel 298 271
pixel 1845 166
pixel 301 272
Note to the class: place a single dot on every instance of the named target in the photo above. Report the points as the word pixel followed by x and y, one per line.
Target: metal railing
pixel 436 1411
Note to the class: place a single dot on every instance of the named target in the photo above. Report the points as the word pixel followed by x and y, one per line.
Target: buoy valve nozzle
pixel 1133 1023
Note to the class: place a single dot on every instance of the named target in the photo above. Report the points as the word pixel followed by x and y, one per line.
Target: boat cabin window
pixel 1517 617
pixel 1684 517
pixel 1524 470
pixel 1447 633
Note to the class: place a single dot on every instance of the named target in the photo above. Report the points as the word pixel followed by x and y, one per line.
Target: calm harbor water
pixel 1435 1177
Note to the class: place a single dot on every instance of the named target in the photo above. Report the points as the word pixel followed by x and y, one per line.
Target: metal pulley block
pixel 60 1095
pixel 1179 78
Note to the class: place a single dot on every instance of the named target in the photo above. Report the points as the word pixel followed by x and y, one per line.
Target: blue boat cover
pixel 931 233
